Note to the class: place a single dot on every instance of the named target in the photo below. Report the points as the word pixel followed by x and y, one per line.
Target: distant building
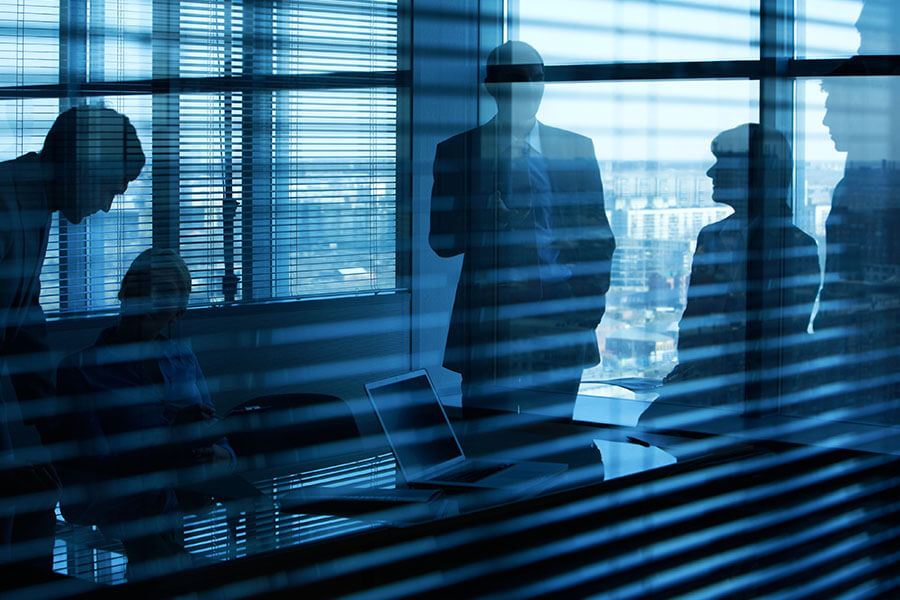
pixel 672 223
pixel 640 349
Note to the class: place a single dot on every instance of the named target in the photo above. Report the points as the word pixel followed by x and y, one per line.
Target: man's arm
pixel 448 212
pixel 596 242
pixel 7 282
pixel 32 367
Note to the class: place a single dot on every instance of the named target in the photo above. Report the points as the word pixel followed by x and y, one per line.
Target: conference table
pixel 239 525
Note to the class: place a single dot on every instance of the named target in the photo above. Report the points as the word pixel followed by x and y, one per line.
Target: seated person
pixel 753 166
pixel 139 412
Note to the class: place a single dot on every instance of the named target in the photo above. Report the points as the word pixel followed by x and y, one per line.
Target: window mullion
pixel 257 155
pixel 73 61
pixel 166 51
pixel 764 339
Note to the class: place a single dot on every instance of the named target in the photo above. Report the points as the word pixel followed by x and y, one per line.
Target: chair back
pixel 284 429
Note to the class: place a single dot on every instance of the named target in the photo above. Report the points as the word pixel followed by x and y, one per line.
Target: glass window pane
pixel 835 28
pixel 29 42
pixel 124 36
pixel 334 188
pixel 585 31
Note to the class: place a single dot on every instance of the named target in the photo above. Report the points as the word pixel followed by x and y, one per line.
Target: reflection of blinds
pixel 334 181
pixel 223 533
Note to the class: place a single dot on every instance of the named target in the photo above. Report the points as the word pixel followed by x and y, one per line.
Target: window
pixel 270 133
pixel 652 123
pixel 652 140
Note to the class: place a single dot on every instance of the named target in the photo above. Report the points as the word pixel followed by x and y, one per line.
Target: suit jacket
pixel 467 219
pixel 859 311
pixel 713 325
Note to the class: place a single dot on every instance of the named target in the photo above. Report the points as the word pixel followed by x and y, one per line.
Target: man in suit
pixel 89 156
pixel 523 203
pixel 858 323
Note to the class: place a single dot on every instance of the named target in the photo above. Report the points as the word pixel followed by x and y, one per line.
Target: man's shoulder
pixel 564 134
pixel 20 176
pixel 723 227
pixel 798 237
pixel 462 139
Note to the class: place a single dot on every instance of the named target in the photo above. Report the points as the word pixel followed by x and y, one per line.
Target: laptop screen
pixel 415 423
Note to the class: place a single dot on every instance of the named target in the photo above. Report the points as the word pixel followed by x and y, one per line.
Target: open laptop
pixel 426 447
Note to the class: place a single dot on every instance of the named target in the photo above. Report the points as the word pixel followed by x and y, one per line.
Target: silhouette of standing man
pixel 523 203
pixel 859 315
pixel 89 156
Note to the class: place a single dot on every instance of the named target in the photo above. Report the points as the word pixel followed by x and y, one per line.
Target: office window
pixel 652 140
pixel 652 143
pixel 269 130
pixel 825 28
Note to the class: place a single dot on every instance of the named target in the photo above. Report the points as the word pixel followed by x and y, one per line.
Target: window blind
pixel 29 55
pixel 209 149
pixel 272 181
pixel 333 156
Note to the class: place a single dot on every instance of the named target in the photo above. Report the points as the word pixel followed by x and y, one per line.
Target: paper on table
pixel 621 459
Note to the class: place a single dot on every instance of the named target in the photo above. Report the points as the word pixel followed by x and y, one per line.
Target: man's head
pixel 861 116
pixel 156 289
pixel 752 163
pixel 879 27
pixel 860 112
pixel 515 79
pixel 93 153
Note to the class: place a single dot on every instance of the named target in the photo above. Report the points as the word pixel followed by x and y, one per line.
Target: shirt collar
pixel 533 139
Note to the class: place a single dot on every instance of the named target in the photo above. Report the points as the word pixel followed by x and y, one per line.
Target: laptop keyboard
pixel 473 475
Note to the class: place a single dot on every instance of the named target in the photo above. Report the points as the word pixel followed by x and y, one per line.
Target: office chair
pixel 288 429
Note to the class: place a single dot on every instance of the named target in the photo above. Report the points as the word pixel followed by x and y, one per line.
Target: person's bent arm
pixel 448 220
pixel 595 239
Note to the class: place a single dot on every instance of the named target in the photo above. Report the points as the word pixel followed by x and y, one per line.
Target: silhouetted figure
pixel 523 202
pixel 89 156
pixel 140 408
pixel 752 165
pixel 858 322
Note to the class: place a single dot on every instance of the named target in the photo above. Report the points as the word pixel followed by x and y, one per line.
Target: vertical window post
pixel 765 341
pixel 73 65
pixel 165 123
pixel 256 177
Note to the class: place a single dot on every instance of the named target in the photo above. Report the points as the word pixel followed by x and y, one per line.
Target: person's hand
pixel 207 412
pixel 507 218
